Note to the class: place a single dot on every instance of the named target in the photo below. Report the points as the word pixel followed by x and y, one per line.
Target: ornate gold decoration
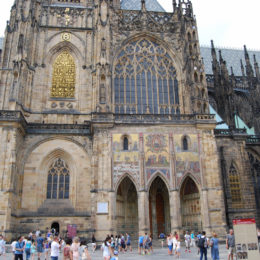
pixel 64 76
pixel 66 36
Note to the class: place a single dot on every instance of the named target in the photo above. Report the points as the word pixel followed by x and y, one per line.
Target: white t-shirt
pixel 13 245
pixel 187 238
pixel 55 249
pixel 178 245
pixel 169 241
pixel 106 251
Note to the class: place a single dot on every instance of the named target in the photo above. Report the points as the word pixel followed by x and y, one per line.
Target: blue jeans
pixel 203 251
pixel 215 253
pixel 54 257
pixel 28 253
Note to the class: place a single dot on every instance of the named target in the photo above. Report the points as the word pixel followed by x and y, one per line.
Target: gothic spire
pixel 257 73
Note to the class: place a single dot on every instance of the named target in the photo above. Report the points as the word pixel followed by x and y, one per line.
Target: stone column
pixel 143 212
pixel 175 210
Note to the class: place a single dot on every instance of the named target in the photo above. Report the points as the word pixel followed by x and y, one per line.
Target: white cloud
pixel 228 22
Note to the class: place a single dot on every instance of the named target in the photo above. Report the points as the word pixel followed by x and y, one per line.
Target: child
pixel 33 249
pixel 115 257
pixel 178 248
pixel 46 248
pixel 28 246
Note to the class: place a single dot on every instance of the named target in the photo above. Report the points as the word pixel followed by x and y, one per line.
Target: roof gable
pixel 151 5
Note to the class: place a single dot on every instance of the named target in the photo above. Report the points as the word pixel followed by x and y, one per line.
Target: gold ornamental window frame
pixel 64 77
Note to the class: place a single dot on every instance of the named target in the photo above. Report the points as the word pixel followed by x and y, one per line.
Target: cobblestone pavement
pixel 159 254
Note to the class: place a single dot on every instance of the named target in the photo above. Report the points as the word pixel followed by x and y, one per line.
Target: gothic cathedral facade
pixel 105 124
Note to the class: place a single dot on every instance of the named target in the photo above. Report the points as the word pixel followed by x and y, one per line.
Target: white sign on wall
pixel 246 239
pixel 102 208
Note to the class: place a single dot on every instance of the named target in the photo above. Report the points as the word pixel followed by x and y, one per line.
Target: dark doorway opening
pixel 55 226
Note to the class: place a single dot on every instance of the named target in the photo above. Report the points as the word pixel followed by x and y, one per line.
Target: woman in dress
pixel 84 251
pixel 214 247
pixel 75 248
pixel 33 249
pixel 107 251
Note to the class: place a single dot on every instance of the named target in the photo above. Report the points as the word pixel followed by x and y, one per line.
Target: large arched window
pixel 63 76
pixel 145 80
pixel 58 180
pixel 234 183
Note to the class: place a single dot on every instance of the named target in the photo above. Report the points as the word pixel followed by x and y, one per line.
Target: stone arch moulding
pixel 36 168
pixel 46 164
pixel 176 60
pixel 185 176
pixel 126 175
pixel 161 176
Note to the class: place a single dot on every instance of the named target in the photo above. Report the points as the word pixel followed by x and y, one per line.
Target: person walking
pixel 55 248
pixel 170 244
pixel 28 246
pixel 19 248
pixel 75 248
pixel 178 248
pixel 128 242
pixel 162 237
pixel 84 250
pixel 203 245
pixel 2 245
pixel 230 244
pixel 140 244
pixel 94 243
pixel 192 237
pixel 214 247
pixel 39 245
pixel 66 250
pixel 33 250
pixel 107 251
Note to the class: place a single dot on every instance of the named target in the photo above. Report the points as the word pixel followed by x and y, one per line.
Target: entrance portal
pixel 159 208
pixel 190 206
pixel 56 226
pixel 127 208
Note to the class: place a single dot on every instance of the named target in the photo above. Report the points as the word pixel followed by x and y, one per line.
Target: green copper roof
pixel 241 124
pixel 221 124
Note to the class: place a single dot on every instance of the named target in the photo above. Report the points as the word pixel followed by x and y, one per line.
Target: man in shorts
pixel 140 244
pixel 230 244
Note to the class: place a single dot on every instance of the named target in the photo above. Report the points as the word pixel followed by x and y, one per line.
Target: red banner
pixel 243 221
pixel 72 231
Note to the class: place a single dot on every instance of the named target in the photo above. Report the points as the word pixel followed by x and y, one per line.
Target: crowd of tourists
pixel 52 246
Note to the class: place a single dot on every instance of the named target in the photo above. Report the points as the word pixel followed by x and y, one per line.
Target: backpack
pixel 66 251
pixel 201 243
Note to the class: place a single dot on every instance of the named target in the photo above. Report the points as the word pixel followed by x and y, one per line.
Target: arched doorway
pixel 159 208
pixel 190 206
pixel 127 208
pixel 56 226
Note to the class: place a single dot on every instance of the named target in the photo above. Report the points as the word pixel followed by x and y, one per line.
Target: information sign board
pixel 246 239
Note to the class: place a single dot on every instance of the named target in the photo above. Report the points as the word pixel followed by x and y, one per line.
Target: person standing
pixel 214 247
pixel 128 242
pixel 84 250
pixel 230 244
pixel 2 245
pixel 203 245
pixel 55 248
pixel 19 248
pixel 162 237
pixel 187 242
pixel 107 251
pixel 192 237
pixel 178 248
pixel 13 245
pixel 39 245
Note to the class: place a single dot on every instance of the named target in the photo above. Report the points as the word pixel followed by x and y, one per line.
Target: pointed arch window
pixel 145 80
pixel 125 144
pixel 63 76
pixel 235 187
pixel 58 181
pixel 185 145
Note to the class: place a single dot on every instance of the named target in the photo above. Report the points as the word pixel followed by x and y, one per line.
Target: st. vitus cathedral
pixel 114 119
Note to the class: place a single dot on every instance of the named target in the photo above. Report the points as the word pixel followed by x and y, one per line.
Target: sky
pixel 230 23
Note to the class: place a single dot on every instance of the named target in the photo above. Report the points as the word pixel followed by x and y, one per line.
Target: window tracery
pixel 58 181
pixel 235 188
pixel 145 80
pixel 64 76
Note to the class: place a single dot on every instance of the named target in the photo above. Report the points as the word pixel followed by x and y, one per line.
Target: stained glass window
pixel 58 180
pixel 145 80
pixel 185 143
pixel 63 76
pixel 235 189
pixel 125 144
